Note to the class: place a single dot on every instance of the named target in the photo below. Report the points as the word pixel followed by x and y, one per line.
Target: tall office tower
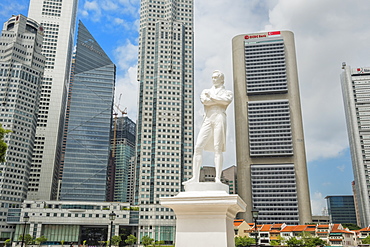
pixel 355 86
pixel 123 150
pixel 89 122
pixel 59 20
pixel 165 116
pixel 21 70
pixel 355 199
pixel 270 150
pixel 341 209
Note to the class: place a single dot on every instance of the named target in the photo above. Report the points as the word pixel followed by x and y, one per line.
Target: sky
pixel 327 33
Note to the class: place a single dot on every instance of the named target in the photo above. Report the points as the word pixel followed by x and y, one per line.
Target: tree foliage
pixel 28 239
pixel 116 240
pixel 6 242
pixel 131 239
pixel 312 242
pixel 277 242
pixel 146 240
pixel 244 241
pixel 351 226
pixel 366 240
pixel 3 145
pixel 294 242
pixel 41 240
pixel 158 243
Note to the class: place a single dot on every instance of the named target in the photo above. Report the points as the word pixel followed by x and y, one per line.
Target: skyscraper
pixel 89 122
pixel 21 70
pixel 341 209
pixel 270 150
pixel 59 20
pixel 123 151
pixel 165 117
pixel 355 86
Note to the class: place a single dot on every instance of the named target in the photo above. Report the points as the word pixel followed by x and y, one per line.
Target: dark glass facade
pixel 89 122
pixel 124 151
pixel 341 209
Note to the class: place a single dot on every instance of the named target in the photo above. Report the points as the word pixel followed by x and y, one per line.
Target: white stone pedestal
pixel 205 215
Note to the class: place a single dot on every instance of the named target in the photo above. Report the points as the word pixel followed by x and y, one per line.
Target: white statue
pixel 212 134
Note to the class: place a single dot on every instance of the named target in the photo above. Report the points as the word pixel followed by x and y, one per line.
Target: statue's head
pixel 218 77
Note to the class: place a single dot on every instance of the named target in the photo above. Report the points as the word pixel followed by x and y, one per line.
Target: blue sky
pixel 326 34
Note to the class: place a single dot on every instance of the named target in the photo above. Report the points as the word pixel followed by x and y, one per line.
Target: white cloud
pixel 318 204
pixel 126 55
pixel 341 168
pixel 110 12
pixel 126 83
pixel 92 10
pixel 9 8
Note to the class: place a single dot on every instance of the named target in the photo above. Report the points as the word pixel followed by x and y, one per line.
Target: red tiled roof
pixel 288 229
pixel 299 228
pixel 265 228
pixel 322 226
pixel 238 222
pixel 366 229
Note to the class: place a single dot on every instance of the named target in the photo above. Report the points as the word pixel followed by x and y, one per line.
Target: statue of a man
pixel 212 134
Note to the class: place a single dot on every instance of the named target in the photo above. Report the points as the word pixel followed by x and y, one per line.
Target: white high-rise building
pixel 165 118
pixel 59 20
pixel 21 70
pixel 270 149
pixel 356 97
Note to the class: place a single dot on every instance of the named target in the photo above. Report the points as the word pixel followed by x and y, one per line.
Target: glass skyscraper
pixel 89 119
pixel 341 209
pixel 123 151
pixel 165 117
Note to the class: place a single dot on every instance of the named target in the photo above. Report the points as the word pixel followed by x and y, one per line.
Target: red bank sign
pixel 261 35
pixel 363 70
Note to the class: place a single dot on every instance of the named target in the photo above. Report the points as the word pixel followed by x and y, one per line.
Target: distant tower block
pixel 270 150
pixel 356 98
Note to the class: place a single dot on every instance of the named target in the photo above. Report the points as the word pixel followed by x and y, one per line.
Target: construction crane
pixel 115 114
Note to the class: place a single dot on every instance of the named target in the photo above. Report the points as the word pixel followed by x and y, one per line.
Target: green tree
pixel 116 240
pixel 312 242
pixel 41 240
pixel 351 226
pixel 278 241
pixel 244 241
pixel 131 239
pixel 158 243
pixel 3 145
pixel 146 240
pixel 27 239
pixel 62 243
pixel 366 240
pixel 294 242
pixel 6 242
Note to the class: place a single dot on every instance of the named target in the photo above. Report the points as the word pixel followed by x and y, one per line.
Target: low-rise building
pixel 332 234
pixel 72 222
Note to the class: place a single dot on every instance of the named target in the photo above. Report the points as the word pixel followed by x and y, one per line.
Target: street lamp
pixel 26 218
pixel 255 217
pixel 112 217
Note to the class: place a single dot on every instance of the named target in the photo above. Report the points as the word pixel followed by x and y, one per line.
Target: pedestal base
pixel 204 218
